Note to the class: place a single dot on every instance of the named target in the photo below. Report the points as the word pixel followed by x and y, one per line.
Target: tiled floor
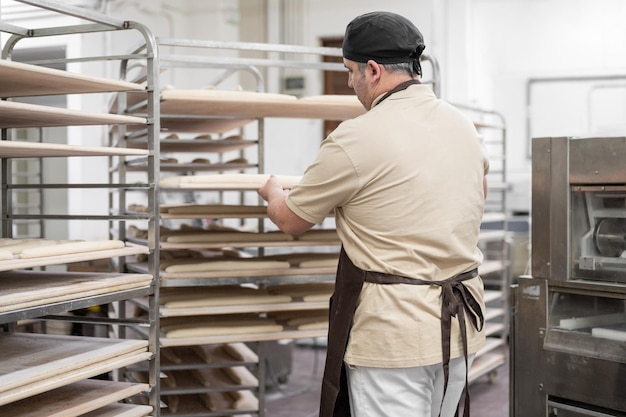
pixel 299 396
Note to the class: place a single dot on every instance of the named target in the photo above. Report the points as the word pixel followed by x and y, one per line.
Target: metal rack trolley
pixel 60 82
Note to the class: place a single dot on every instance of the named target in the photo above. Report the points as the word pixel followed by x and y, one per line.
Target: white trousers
pixel 405 392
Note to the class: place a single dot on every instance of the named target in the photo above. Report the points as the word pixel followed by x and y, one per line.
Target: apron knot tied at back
pixel 456 301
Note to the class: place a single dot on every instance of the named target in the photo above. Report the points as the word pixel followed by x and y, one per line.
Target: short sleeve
pixel 329 182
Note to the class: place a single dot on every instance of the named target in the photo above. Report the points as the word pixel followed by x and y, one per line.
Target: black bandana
pixel 384 37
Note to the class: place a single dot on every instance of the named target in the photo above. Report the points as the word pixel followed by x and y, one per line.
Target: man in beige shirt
pixel 406 181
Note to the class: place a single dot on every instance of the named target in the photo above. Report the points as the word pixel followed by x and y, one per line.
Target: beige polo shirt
pixel 405 181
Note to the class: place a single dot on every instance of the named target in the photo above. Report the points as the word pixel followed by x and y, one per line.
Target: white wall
pixel 519 40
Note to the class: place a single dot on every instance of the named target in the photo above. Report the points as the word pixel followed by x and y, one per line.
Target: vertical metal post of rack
pixel 7 200
pixel 261 376
pixel 154 127
pixel 103 23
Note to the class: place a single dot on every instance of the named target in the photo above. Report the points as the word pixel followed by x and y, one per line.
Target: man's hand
pixel 278 211
pixel 271 190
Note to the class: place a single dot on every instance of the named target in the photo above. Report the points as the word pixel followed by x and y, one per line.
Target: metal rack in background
pixel 11 213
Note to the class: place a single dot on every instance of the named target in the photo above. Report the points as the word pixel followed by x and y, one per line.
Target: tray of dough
pixel 199 238
pixel 18 149
pixel 207 356
pixel 16 115
pixel 199 380
pixel 212 329
pixel 21 80
pixel 198 124
pixel 188 238
pixel 81 397
pixel 201 211
pixel 29 253
pixel 170 278
pixel 194 166
pixel 195 301
pixel 197 145
pixel 26 289
pixel 35 363
pixel 229 266
pixel 248 242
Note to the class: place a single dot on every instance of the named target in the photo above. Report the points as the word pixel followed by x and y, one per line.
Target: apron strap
pixel 334 401
pixel 402 86
pixel 455 302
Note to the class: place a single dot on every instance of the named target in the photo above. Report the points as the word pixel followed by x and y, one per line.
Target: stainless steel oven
pixel 568 329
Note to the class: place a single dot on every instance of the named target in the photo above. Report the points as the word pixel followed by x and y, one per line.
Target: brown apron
pixel 456 300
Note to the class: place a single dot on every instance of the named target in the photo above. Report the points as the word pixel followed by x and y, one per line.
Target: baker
pixel 406 181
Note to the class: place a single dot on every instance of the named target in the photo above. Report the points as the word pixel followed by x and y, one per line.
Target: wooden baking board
pixel 240 243
pixel 201 125
pixel 17 149
pixel 22 80
pixel 227 181
pixel 329 107
pixel 194 405
pixel 221 378
pixel 248 273
pixel 223 103
pixel 37 376
pixel 217 209
pixel 307 292
pixel 190 357
pixel 252 105
pixel 195 145
pixel 185 297
pixel 121 410
pixel 193 167
pixel 76 257
pixel 256 337
pixel 15 115
pixel 33 357
pixel 197 124
pixel 142 267
pixel 73 400
pixel 192 327
pixel 22 289
pixel 202 211
pixel 60 380
pixel 226 237
pixel 199 379
pixel 221 307
pixel 234 309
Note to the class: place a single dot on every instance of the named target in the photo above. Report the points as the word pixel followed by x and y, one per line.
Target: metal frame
pixel 100 23
pixel 549 360
pixel 493 121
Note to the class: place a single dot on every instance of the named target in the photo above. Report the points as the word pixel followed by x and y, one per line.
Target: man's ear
pixel 374 68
